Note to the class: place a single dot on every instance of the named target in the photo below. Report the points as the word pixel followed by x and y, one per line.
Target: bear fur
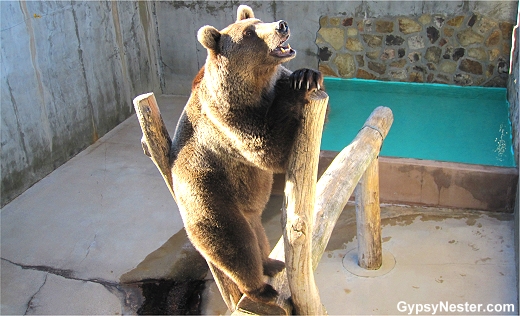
pixel 236 130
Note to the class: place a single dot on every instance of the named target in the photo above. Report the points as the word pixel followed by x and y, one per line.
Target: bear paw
pixel 273 266
pixel 264 294
pixel 306 79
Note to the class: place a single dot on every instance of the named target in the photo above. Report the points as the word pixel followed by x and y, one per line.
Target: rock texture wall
pixel 471 49
pixel 69 71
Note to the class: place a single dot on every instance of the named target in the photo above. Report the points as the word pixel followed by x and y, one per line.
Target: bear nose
pixel 283 27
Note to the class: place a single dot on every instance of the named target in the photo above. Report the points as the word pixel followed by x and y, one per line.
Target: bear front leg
pixel 306 79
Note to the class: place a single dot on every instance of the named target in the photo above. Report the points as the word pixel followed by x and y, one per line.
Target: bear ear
pixel 244 12
pixel 209 37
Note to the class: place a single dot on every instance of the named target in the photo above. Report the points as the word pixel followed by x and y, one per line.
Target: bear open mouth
pixel 283 51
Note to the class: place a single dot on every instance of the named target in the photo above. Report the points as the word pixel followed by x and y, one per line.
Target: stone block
pixel 456 21
pixel 380 68
pixel 334 21
pixel 493 39
pixel 472 20
pixel 353 44
pixel 392 40
pixel 326 70
pixel 433 34
pixel 485 25
pixel 506 28
pixel 334 36
pixel 477 53
pixel 363 74
pixel 468 37
pixel 471 66
pixel 448 66
pixel 398 63
pixel 384 26
pixel 401 52
pixel 439 21
pixel 463 79
pixel 448 32
pixel 416 77
pixel 433 54
pixel 416 42
pixel 409 26
pixel 399 74
pixel 347 22
pixel 352 31
pixel 414 57
pixel 458 53
pixel 345 64
pixel 360 61
pixel 373 40
pixel 373 55
pixel 493 54
pixel 388 53
pixel 425 19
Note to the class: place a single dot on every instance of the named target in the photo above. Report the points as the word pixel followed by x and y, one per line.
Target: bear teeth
pixel 285 49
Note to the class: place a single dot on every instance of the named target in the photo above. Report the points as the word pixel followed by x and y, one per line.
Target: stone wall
pixel 471 49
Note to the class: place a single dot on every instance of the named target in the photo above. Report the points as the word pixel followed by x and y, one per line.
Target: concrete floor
pixel 106 216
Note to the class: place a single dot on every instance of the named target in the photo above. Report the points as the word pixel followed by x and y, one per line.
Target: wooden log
pixel 300 194
pixel 332 193
pixel 339 180
pixel 368 219
pixel 156 141
pixel 157 145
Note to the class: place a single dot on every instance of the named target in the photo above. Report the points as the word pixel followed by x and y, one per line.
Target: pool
pixel 431 121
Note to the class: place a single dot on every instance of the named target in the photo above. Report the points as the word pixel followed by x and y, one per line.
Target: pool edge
pixel 411 181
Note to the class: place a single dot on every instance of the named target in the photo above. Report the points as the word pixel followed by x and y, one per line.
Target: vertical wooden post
pixel 368 218
pixel 333 190
pixel 297 218
pixel 157 144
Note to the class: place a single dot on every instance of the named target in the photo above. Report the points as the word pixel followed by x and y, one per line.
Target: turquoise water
pixel 431 121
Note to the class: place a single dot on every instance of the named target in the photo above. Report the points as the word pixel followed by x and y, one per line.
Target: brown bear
pixel 236 130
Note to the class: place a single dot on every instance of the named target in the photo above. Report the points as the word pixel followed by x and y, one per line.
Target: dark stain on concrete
pixel 442 179
pixel 167 297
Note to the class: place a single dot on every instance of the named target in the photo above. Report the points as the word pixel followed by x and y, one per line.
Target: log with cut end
pixel 333 191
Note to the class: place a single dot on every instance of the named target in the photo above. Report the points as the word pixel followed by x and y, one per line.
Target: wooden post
pixel 368 218
pixel 333 191
pixel 297 219
pixel 157 144
pixel 339 180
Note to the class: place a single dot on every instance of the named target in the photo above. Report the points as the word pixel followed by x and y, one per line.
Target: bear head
pixel 248 41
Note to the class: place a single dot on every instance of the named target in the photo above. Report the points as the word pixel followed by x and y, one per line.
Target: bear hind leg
pixel 271 266
pixel 231 245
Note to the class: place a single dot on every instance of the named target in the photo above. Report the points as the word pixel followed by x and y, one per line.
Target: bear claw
pixel 307 78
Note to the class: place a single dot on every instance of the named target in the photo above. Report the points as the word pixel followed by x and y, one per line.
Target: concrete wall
pixel 69 71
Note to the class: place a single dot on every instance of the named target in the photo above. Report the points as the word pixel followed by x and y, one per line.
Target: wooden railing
pixel 311 209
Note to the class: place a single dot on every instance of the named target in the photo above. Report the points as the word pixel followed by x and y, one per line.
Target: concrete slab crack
pixel 65 273
pixel 29 304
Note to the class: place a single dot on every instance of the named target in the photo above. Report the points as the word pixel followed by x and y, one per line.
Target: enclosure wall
pixel 182 56
pixel 69 71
